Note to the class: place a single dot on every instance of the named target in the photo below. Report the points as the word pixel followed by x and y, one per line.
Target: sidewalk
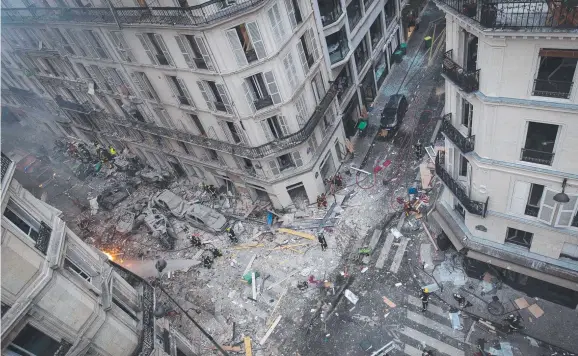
pixel 400 73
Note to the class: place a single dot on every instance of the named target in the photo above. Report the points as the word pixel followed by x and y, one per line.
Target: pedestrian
pixel 424 299
pixel 322 241
pixel 321 201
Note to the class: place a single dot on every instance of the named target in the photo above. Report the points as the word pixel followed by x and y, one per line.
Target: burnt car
pixel 113 195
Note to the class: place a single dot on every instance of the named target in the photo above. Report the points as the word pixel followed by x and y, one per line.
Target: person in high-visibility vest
pixel 111 150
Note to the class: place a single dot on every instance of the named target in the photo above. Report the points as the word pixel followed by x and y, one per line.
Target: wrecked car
pixel 159 226
pixel 196 214
pixel 113 195
pixel 161 180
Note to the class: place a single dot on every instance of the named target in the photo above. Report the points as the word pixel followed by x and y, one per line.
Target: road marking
pixel 412 351
pixel 399 255
pixel 431 308
pixel 375 239
pixel 384 251
pixel 431 342
pixel 434 325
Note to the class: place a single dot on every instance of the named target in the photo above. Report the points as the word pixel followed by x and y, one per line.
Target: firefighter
pixel 231 235
pixel 424 299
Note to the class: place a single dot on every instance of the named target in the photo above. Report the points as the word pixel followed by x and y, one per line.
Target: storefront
pixel 368 91
pixel 381 69
pixel 351 116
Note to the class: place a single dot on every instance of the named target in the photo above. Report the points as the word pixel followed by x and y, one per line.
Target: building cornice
pixel 528 103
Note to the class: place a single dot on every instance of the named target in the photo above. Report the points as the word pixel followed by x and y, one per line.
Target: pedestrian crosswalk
pixel 387 247
pixel 431 330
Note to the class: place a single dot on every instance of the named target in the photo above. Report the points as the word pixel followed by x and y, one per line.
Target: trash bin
pixel 397 56
pixel 427 41
pixel 403 48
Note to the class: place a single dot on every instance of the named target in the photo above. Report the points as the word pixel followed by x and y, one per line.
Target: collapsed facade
pixel 243 94
pixel 61 296
pixel 511 104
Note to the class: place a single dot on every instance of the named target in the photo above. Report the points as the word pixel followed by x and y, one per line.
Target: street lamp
pixel 562 197
pixel 160 266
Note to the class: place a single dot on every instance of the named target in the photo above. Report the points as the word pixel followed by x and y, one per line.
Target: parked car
pixel 393 113
pixel 197 215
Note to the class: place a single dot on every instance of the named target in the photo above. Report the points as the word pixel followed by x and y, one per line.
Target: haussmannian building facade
pixel 61 296
pixel 253 94
pixel 511 128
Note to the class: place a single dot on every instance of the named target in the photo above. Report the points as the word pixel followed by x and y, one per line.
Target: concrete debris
pixel 125 223
pixel 351 296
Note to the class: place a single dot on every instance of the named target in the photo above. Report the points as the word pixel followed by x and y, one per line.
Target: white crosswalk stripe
pixel 426 325
pixel 432 342
pixel 399 255
pixel 384 251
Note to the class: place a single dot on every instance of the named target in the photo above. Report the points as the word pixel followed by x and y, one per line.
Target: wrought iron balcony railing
pixel 72 84
pixel 5 164
pixel 467 81
pixel 198 15
pixel 69 105
pixel 552 88
pixel 465 144
pixel 536 156
pixel 264 150
pixel 43 238
pixel 472 206
pixel 263 102
pixel 518 14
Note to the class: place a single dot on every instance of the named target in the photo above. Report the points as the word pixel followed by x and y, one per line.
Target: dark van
pixel 393 113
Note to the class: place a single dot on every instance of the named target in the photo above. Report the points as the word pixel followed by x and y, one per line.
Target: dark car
pixel 393 113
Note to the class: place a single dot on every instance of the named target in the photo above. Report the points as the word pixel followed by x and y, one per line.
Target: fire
pixel 109 255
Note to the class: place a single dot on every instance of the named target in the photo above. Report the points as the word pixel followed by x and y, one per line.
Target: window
pixel 317 87
pixel 361 55
pixel 539 146
pixel 94 44
pixel 290 70
pixel 144 86
pixel 215 95
pixel 330 11
pixel 246 42
pixel 31 341
pixel 467 114
pixel 285 161
pixel 533 205
pixel 164 117
pixel 180 91
pixel 376 32
pixel 122 306
pixel 389 11
pixel 461 211
pixel 555 73
pixel 233 131
pixel 22 220
pixel 194 50
pixel 275 127
pixel 68 264
pixel 276 23
pixel 354 13
pixel 301 105
pixel 122 48
pixel 294 12
pixel 198 124
pixel 519 237
pixel 308 51
pixel 156 49
pixel 261 90
pixel 213 156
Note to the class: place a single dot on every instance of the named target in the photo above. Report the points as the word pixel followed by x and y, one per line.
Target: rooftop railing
pixel 198 15
pixel 516 14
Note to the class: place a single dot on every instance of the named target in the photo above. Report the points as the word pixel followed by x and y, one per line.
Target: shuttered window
pixel 122 48
pixel 256 39
pixel 236 47
pixel 272 86
pixel 290 71
pixel 206 92
pixel 276 24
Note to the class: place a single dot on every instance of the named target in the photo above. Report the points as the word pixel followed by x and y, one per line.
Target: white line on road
pixel 432 308
pixel 431 342
pixel 375 239
pixel 434 325
pixel 411 351
pixel 399 255
pixel 384 251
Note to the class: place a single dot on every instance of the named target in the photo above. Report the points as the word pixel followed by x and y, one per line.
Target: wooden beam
pixel 297 233
pixel 248 348
pixel 270 331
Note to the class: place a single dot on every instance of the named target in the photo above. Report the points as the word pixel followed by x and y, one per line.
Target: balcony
pixel 198 15
pixel 465 144
pixel 337 46
pixel 472 206
pixel 535 156
pixel 286 142
pixel 552 88
pixel 467 81
pixel 528 14
pixel 263 102
pixel 69 105
pixel 72 84
pixel 330 11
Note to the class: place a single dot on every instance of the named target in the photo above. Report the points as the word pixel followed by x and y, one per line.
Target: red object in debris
pixel 386 163
pixel 376 169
